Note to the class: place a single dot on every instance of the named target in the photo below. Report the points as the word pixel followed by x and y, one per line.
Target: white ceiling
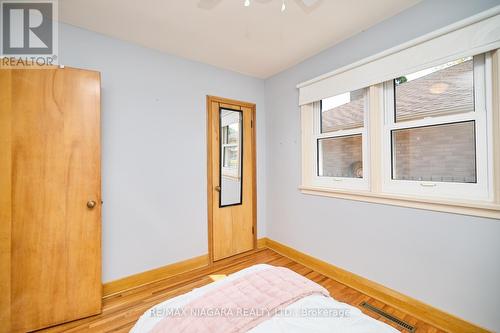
pixel 258 40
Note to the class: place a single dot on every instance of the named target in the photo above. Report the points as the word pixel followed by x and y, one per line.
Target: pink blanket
pixel 242 304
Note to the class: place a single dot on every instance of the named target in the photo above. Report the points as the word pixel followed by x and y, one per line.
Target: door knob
pixel 217 188
pixel 91 204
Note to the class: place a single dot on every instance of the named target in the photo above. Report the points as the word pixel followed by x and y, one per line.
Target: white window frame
pixel 230 172
pixel 377 186
pixel 345 183
pixel 469 191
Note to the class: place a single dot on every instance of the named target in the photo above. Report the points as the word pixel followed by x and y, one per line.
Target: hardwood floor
pixel 120 311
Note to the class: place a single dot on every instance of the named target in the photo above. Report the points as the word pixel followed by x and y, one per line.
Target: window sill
pixel 472 208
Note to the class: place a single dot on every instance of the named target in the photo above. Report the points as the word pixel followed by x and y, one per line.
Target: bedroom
pixel 360 152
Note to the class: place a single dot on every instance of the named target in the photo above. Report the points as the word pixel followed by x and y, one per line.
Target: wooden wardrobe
pixel 50 197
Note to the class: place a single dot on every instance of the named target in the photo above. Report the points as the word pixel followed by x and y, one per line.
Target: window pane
pixel 231 157
pixel 340 157
pixel 437 91
pixel 343 111
pixel 233 133
pixel 442 153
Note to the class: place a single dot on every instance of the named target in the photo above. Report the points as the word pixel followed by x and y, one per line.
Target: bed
pixel 325 314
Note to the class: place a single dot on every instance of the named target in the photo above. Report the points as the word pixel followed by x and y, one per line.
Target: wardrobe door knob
pixel 91 204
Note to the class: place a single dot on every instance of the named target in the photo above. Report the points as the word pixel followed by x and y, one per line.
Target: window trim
pixel 341 182
pixel 375 193
pixel 478 191
pixel 233 173
pixel 472 208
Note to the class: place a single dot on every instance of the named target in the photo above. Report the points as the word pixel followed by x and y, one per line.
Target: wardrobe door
pixel 50 197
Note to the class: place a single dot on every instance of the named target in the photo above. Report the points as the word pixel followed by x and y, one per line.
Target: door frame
pixel 211 155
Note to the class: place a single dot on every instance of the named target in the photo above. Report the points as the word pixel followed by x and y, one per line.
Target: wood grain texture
pixel 165 272
pixel 394 299
pixel 55 259
pixel 232 229
pixel 121 311
pixel 5 198
pixel 262 243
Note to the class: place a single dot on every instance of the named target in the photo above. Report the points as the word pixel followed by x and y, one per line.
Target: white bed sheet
pixel 354 322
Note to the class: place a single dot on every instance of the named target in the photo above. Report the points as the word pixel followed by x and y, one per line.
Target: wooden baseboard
pixel 137 280
pixel 417 309
pixel 168 271
pixel 262 243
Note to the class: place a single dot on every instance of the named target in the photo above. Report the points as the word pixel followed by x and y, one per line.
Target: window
pixel 436 153
pixel 437 91
pixel 340 157
pixel 343 111
pixel 340 140
pixel 423 139
pixel 423 133
pixel 230 143
pixel 435 131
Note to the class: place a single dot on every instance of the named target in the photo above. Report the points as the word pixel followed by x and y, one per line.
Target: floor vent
pixel 389 317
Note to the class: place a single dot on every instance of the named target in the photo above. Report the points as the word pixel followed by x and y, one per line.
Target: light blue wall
pixel 154 148
pixel 446 260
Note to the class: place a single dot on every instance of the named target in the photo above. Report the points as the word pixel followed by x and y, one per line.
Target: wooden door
pixel 50 197
pixel 231 177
